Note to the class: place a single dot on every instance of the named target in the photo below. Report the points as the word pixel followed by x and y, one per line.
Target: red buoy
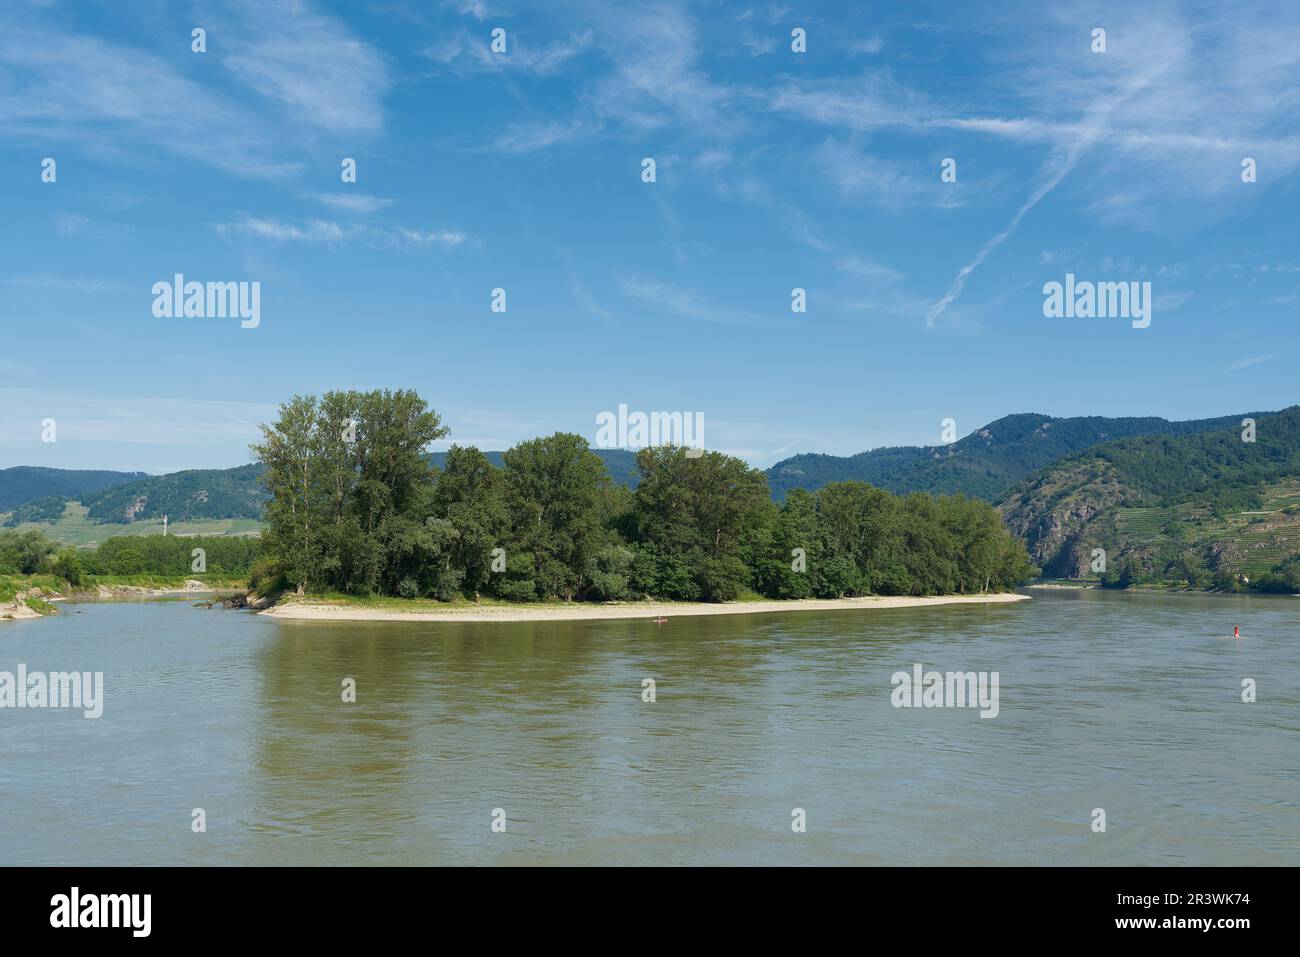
pixel 1236 631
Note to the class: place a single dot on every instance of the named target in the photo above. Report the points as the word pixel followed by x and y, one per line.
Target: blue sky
pixel 522 171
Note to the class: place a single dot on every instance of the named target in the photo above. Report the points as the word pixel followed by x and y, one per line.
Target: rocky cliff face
pixel 1054 515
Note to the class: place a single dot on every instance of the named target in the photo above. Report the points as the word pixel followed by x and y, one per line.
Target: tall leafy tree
pixel 392 495
pixel 350 488
pixel 797 549
pixel 554 488
pixel 298 507
pixel 470 495
pixel 697 512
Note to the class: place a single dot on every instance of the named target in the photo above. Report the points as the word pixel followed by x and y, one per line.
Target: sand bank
pixel 578 611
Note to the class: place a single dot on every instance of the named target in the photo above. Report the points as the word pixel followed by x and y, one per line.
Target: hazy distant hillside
pixel 1174 506
pixel 207 502
pixel 24 483
pixel 984 464
pixel 183 496
pixel 1142 487
pixel 202 495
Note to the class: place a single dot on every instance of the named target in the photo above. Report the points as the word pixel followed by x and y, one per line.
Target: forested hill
pixel 984 464
pixel 183 496
pixel 195 495
pixel 26 482
pixel 1177 506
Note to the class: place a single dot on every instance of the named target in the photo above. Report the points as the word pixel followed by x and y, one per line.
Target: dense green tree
pixel 356 507
pixel 862 534
pixel 391 499
pixel 860 540
pixel 28 552
pixel 351 489
pixel 129 561
pixel 67 565
pixel 24 553
pixel 299 505
pixel 554 493
pixel 173 555
pixel 1285 577
pixel 697 510
pixel 796 551
pixel 470 494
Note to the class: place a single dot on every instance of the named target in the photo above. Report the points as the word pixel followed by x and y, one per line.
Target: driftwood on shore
pixel 237 600
pixel 241 599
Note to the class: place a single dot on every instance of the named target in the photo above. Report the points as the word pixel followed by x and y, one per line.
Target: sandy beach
pixel 307 611
pixel 17 611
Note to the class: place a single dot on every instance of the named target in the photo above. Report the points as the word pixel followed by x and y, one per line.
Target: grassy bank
pixel 11 585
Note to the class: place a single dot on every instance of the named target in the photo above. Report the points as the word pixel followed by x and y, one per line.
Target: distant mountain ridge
pixel 193 495
pixel 984 464
pixel 1159 506
pixel 23 483
pixel 183 496
pixel 987 464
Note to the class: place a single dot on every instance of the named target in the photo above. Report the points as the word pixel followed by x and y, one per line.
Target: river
pixel 1131 703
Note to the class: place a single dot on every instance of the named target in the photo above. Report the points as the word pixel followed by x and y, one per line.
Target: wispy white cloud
pixel 858 174
pixel 867 269
pixel 875 100
pixel 1167 112
pixel 1091 129
pixel 319 231
pixel 70 224
pixel 88 91
pixel 759 44
pixel 1169 301
pixel 587 301
pixel 871 287
pixel 535 135
pixel 65 283
pixel 686 303
pixel 353 202
pixel 464 53
pixel 656 77
pixel 478 9
pixel 1054 177
pixel 308 62
pixel 1247 363
pixel 446 238
pixel 312 231
pixel 123 102
pixel 734 177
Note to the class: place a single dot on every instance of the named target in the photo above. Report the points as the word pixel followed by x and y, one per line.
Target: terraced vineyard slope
pixel 1204 509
